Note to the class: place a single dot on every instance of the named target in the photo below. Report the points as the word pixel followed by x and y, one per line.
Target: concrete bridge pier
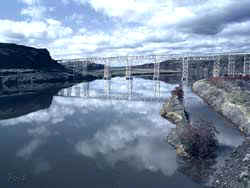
pixel 107 72
pixel 156 69
pixel 216 67
pixel 128 73
pixel 246 71
pixel 231 66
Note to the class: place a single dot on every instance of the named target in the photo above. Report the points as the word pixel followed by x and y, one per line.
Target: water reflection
pixel 15 106
pixel 94 142
pixel 118 89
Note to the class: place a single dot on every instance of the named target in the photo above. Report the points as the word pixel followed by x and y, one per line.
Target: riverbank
pixel 25 69
pixel 236 171
pixel 228 97
pixel 228 138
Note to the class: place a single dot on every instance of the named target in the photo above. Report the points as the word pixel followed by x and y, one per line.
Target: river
pixel 95 139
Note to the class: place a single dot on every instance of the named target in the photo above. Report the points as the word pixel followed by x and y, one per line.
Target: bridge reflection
pixel 85 91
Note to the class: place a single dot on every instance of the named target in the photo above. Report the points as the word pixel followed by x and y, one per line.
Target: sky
pixel 84 28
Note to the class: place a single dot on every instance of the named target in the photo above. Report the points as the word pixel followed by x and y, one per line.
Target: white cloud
pixel 26 31
pixel 30 2
pixel 34 12
pixel 138 27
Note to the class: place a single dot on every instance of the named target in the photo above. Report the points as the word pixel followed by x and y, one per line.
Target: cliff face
pixel 233 103
pixel 14 56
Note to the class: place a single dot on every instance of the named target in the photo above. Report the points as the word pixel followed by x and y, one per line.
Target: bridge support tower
pixel 128 73
pixel 156 69
pixel 216 67
pixel 231 66
pixel 246 71
pixel 185 69
pixel 107 72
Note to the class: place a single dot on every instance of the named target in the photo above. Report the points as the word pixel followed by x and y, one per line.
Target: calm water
pixel 80 142
pixel 88 141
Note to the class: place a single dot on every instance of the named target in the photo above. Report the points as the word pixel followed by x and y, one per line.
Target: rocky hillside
pixel 228 98
pixel 14 56
pixel 24 69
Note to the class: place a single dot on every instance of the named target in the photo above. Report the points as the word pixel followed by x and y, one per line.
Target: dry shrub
pixel 199 142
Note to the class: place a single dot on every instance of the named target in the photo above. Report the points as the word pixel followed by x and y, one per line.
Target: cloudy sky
pixel 77 28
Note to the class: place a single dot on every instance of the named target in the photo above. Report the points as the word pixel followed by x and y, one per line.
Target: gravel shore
pixel 236 172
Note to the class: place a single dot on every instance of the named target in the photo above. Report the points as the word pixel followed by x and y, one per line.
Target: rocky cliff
pixel 14 56
pixel 228 99
pixel 25 69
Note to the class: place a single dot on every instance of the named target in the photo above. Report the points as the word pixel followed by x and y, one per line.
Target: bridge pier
pixel 128 73
pixel 107 73
pixel 231 66
pixel 185 69
pixel 156 69
pixel 216 67
pixel 246 71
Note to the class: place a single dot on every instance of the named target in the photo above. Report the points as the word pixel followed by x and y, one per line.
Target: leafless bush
pixel 199 141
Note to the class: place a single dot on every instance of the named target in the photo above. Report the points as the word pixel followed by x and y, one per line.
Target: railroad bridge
pixel 230 64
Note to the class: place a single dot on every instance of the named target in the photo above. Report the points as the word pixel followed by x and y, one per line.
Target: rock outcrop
pixel 232 102
pixel 173 110
pixel 14 56
pixel 25 68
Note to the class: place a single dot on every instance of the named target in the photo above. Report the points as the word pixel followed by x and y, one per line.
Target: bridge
pixel 232 61
pixel 83 90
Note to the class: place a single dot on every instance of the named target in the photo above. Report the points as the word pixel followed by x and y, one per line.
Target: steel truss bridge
pixel 185 60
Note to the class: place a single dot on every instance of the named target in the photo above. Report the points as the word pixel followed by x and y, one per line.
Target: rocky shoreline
pixel 236 171
pixel 230 98
pixel 233 172
pixel 227 98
